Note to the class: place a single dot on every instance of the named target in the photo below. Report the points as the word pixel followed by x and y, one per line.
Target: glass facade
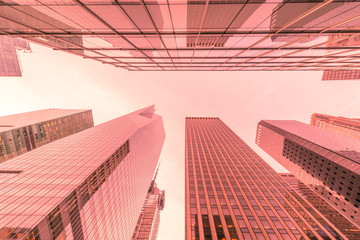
pixel 182 35
pixel 20 133
pixel 327 162
pixel 9 60
pixel 147 226
pixel 231 193
pixel 90 185
pixel 346 126
pixel 339 221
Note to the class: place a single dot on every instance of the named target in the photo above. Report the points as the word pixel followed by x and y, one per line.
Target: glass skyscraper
pixel 182 35
pixel 147 226
pixel 90 185
pixel 327 162
pixel 9 59
pixel 231 193
pixel 20 133
pixel 332 215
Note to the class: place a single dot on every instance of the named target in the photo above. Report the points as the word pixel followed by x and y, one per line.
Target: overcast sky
pixel 52 79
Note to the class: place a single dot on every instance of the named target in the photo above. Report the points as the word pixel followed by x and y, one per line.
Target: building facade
pixel 231 193
pixel 20 133
pixel 147 226
pixel 327 162
pixel 199 35
pixel 9 59
pixel 345 126
pixel 341 75
pixel 331 214
pixel 90 185
pixel 336 40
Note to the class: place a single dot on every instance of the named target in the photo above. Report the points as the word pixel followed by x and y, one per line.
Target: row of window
pixel 77 199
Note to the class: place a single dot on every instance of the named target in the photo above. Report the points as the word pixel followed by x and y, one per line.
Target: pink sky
pixel 52 79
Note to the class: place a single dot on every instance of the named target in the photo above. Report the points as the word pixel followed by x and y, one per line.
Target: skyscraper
pixel 327 162
pixel 231 193
pixel 19 133
pixel 187 35
pixel 9 60
pixel 345 126
pixel 90 185
pixel 331 214
pixel 147 226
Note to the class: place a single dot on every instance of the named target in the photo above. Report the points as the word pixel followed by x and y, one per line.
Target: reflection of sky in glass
pixel 226 32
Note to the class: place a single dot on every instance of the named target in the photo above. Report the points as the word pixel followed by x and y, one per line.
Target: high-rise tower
pixel 9 60
pixel 332 215
pixel 20 133
pixel 147 226
pixel 345 126
pixel 231 193
pixel 90 185
pixel 327 162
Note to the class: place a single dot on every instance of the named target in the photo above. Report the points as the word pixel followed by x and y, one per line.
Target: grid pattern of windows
pixel 9 60
pixel 27 134
pixel 231 193
pixel 338 180
pixel 90 185
pixel 182 35
pixel 339 221
pixel 148 223
pixel 313 155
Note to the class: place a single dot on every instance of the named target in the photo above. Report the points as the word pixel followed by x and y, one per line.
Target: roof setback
pixel 24 119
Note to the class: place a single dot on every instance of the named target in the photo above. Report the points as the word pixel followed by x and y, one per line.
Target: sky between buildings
pixel 52 79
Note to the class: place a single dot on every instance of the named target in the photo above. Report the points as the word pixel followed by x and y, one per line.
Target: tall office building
pixel 331 214
pixel 327 162
pixel 345 126
pixel 20 133
pixel 90 185
pixel 231 193
pixel 9 59
pixel 147 226
pixel 187 35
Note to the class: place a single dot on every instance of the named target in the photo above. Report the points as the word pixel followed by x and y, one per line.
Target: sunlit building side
pixel 9 59
pixel 20 133
pixel 231 193
pixel 90 185
pixel 148 223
